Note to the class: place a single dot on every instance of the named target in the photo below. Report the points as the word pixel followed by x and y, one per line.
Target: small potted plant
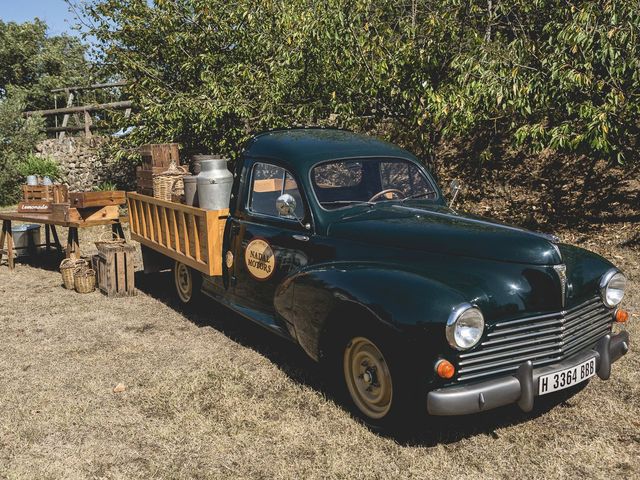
pixel 43 170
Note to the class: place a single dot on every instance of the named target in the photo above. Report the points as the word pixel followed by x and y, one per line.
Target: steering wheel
pixel 384 192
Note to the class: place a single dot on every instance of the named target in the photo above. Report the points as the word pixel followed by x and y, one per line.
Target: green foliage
pixel 42 166
pixel 558 75
pixel 540 73
pixel 32 63
pixel 209 73
pixel 105 187
pixel 18 137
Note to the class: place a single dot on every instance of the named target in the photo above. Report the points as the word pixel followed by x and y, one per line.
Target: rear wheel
pixel 188 283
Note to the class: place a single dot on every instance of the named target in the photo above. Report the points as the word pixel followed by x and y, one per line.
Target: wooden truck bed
pixel 187 234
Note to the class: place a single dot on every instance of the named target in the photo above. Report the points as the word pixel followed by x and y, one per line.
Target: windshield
pixel 344 182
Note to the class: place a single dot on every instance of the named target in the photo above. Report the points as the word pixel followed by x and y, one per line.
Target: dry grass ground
pixel 210 395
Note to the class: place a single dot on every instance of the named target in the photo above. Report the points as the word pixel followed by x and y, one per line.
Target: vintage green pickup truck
pixel 344 244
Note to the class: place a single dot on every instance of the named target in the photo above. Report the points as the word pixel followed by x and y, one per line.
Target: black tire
pixel 406 406
pixel 187 284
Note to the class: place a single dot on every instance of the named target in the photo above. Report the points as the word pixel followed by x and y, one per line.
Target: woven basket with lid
pixel 169 182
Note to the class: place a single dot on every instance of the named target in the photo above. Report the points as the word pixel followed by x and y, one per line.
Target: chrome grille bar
pixel 523 343
pixel 522 328
pixel 517 360
pixel 524 335
pixel 543 339
pixel 510 353
pixel 509 369
pixel 577 334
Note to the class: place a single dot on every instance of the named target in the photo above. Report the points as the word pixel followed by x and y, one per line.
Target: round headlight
pixel 464 327
pixel 612 287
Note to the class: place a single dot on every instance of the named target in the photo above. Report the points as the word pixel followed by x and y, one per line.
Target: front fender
pixel 402 300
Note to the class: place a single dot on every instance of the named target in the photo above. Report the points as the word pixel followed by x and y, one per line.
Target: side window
pixel 268 182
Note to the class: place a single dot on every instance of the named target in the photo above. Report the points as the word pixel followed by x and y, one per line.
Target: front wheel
pixel 368 378
pixel 378 378
pixel 188 283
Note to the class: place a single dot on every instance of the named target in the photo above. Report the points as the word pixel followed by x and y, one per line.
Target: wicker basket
pixel 110 238
pixel 169 182
pixel 67 269
pixel 84 279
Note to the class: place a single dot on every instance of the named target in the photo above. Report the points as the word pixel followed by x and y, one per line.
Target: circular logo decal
pixel 229 259
pixel 259 259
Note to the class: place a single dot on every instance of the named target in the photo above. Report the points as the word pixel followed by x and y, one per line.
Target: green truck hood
pixel 438 229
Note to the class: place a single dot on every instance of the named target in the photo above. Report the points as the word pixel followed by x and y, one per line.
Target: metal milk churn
pixel 191 190
pixel 214 184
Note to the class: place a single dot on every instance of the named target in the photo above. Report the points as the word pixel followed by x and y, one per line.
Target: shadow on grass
pixel 43 260
pixel 444 430
pixel 300 368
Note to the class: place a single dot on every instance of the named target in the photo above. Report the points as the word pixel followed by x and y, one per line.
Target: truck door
pixel 266 246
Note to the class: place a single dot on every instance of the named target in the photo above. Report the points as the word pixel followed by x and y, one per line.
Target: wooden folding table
pixel 73 244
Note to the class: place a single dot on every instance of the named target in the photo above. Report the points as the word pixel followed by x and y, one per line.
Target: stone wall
pixel 81 167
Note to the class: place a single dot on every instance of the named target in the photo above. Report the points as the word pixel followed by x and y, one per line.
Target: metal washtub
pixel 543 339
pixel 26 239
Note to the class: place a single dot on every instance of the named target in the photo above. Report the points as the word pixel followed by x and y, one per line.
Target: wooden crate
pixel 63 212
pixel 145 191
pixel 114 269
pixel 159 155
pixel 45 193
pixel 97 199
pixel 188 234
pixel 144 178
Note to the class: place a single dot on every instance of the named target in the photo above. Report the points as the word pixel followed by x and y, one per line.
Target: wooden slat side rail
pixel 188 234
pixel 131 206
pixel 150 221
pixel 165 219
pixel 142 217
pixel 196 239
pixel 214 236
pixel 158 229
pixel 176 245
pixel 185 235
pixel 171 205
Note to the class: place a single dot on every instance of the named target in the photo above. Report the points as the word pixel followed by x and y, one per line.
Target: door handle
pixel 302 238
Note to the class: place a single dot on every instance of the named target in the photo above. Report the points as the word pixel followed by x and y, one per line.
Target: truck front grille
pixel 543 339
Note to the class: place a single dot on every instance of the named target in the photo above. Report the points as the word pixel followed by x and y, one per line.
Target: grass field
pixel 210 395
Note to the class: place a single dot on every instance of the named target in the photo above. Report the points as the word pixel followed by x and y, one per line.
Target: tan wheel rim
pixel 184 284
pixel 368 378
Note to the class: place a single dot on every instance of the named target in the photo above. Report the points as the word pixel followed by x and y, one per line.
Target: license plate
pixel 566 378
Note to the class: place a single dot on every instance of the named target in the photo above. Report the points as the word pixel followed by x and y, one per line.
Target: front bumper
pixel 522 387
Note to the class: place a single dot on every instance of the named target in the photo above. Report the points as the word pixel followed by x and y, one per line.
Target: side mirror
pixel 455 188
pixel 286 206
